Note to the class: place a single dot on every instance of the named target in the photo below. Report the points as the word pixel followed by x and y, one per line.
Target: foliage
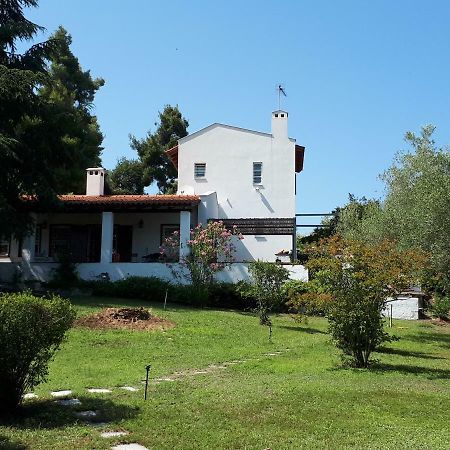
pixel 418 200
pixel 127 177
pixel 69 93
pixel 46 131
pixel 211 248
pixel 441 307
pixel 142 288
pixel 222 295
pixel 306 298
pixel 151 149
pixel 31 331
pixel 358 219
pixel 65 275
pixel 267 285
pixel 359 277
pixel 415 210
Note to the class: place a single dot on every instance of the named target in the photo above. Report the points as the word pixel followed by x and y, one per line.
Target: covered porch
pixel 113 229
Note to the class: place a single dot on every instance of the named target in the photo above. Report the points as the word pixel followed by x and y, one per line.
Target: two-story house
pixel 242 177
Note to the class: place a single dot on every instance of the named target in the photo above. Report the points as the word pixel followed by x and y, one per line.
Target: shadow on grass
pixel 49 414
pixel 440 339
pixel 303 329
pixel 408 353
pixel 430 372
pixel 7 444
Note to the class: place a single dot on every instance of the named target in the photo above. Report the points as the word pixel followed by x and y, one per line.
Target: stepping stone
pixel 99 391
pixel 129 388
pixel 129 447
pixel 200 372
pixel 29 396
pixel 273 354
pixel 99 424
pixel 164 379
pixel 110 434
pixel 86 414
pixel 69 402
pixel 61 393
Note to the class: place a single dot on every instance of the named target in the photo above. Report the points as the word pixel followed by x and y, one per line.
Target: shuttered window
pixel 199 170
pixel 257 172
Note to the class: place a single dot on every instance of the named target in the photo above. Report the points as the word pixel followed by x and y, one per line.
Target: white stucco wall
pixel 407 308
pixel 229 154
pixel 91 271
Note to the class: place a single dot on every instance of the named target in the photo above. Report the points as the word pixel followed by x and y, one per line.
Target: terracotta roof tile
pixel 118 202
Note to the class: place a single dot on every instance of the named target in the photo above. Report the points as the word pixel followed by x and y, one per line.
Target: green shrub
pixel 441 307
pixel 31 330
pixel 222 295
pixel 232 295
pixel 267 287
pixel 65 275
pixel 306 298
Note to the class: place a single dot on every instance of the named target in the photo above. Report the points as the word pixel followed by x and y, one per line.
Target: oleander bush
pixel 31 331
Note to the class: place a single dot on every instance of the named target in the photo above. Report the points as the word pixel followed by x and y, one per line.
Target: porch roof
pixel 100 203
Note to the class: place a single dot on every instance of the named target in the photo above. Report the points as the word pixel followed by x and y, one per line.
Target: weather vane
pixel 281 91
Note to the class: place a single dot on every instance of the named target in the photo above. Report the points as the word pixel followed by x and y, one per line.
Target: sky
pixel 358 74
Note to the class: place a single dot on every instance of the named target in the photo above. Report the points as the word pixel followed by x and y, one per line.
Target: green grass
pixel 300 399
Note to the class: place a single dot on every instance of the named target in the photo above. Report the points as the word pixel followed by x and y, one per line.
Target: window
pixel 199 170
pixel 257 172
pixel 4 248
pixel 168 230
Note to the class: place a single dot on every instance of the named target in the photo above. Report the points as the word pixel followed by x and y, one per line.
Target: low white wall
pixel 407 308
pixel 91 271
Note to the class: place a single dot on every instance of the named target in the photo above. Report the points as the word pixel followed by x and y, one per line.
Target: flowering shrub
pixel 211 248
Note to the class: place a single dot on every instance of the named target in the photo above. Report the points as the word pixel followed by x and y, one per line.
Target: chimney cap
pixel 102 169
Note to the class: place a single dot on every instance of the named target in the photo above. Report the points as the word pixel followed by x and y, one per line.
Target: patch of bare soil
pixel 125 318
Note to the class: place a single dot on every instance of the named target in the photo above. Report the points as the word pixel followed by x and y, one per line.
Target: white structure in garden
pixel 245 178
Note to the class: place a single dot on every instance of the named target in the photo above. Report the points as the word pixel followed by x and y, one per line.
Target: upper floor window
pixel 199 170
pixel 257 172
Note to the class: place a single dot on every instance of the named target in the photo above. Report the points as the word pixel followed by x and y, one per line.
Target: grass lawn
pixel 301 398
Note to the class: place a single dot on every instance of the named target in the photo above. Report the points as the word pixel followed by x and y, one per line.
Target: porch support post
pixel 28 251
pixel 185 232
pixel 107 237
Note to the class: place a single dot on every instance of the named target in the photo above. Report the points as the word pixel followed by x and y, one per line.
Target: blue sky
pixel 358 74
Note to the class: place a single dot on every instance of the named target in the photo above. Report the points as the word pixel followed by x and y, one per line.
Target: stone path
pixel 89 416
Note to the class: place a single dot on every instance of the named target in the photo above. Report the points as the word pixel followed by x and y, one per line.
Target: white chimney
pixel 280 125
pixel 95 181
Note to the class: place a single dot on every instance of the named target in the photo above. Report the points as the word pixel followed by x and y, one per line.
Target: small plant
pixel 31 331
pixel 359 277
pixel 267 287
pixel 65 275
pixel 441 307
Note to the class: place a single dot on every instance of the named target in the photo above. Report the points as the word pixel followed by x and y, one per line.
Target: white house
pixel 242 177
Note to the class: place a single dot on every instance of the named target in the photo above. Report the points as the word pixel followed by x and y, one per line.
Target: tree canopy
pixel 127 177
pixel 46 131
pixel 157 166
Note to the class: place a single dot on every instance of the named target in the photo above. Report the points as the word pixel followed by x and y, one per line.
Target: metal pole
pixel 147 368
pixel 165 299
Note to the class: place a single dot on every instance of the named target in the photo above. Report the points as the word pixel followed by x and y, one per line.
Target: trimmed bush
pixel 31 330
pixel 222 295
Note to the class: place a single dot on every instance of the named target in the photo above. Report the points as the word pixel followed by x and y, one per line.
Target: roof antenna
pixel 280 90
